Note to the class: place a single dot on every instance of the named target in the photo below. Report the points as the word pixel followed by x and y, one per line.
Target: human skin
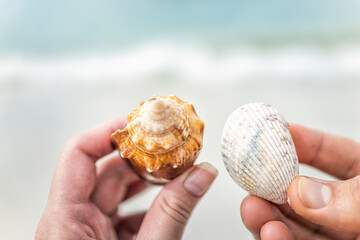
pixel 318 209
pixel 84 197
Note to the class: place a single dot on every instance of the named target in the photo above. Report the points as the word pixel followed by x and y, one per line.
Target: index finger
pixel 75 174
pixel 338 156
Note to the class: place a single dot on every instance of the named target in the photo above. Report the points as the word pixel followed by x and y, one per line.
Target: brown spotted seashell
pixel 162 139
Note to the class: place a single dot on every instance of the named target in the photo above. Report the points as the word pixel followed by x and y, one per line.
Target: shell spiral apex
pixel 162 139
pixel 258 151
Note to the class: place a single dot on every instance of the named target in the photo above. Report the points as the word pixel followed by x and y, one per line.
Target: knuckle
pixel 355 188
pixel 175 207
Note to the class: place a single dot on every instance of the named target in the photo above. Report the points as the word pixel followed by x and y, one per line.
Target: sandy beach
pixel 37 119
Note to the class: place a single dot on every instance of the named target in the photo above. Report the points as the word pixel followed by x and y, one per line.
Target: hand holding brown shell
pixel 162 139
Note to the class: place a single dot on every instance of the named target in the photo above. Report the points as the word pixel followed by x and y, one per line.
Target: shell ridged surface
pixel 258 151
pixel 162 139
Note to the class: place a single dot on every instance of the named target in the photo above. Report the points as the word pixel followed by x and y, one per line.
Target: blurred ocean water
pixel 198 41
pixel 189 63
pixel 168 61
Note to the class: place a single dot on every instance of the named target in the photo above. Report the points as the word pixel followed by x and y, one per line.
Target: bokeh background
pixel 66 66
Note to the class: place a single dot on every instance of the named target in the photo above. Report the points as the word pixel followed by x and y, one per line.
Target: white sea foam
pixel 188 63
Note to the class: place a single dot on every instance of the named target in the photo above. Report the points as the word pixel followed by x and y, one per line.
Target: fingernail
pixel 200 179
pixel 313 194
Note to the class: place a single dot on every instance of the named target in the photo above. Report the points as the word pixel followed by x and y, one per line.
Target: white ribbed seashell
pixel 258 151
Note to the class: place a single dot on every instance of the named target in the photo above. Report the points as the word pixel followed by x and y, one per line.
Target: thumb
pixel 168 215
pixel 334 204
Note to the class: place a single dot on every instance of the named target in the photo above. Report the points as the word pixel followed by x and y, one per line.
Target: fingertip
pixel 305 149
pixel 119 122
pixel 294 200
pixel 292 191
pixel 208 167
pixel 255 212
pixel 275 230
pixel 324 202
pixel 200 179
pixel 293 129
pixel 169 213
